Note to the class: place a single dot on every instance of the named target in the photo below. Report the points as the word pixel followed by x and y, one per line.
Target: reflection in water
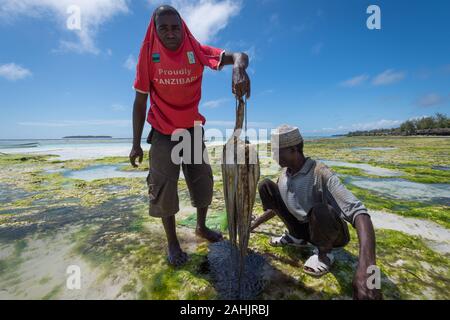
pixel 104 172
pixel 367 168
pixel 404 189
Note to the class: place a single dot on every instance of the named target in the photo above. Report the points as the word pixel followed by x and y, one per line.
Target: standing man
pixel 315 206
pixel 170 70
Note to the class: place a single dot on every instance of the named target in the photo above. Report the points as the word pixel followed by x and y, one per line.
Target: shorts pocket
pixel 163 194
pixel 155 183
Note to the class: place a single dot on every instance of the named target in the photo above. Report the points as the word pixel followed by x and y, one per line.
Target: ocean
pixel 76 149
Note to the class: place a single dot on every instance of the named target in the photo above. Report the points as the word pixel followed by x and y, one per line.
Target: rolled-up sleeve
pixel 340 197
pixel 213 56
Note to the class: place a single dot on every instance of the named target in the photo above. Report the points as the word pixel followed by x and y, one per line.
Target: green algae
pixel 163 282
pixel 414 151
pixel 135 244
pixel 131 286
pixel 436 213
pixel 216 221
pixel 53 293
pixel 421 173
pixel 45 280
pixel 9 159
pixel 420 269
pixel 401 259
pixel 9 265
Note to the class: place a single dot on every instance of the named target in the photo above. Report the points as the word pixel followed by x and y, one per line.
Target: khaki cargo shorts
pixel 163 176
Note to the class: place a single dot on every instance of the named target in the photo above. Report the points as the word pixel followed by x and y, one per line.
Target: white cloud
pixel 13 72
pixel 389 76
pixel 317 48
pixel 430 100
pixel 94 13
pixel 215 103
pixel 205 18
pixel 118 107
pixel 77 123
pixel 265 92
pixel 380 124
pixel 130 63
pixel 355 81
pixel 230 124
pixel 418 117
pixel 274 19
pixel 253 53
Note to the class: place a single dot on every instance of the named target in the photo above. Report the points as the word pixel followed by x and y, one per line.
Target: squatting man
pixel 315 207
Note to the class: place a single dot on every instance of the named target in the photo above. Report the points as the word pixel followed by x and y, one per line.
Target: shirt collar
pixel 304 170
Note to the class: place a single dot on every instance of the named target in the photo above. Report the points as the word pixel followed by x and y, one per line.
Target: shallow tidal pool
pixel 103 172
pixel 404 189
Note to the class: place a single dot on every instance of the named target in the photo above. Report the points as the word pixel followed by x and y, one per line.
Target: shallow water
pixel 442 168
pixel 367 168
pixel 115 188
pixel 79 149
pixel 436 236
pixel 50 171
pixel 72 149
pixel 374 148
pixel 404 189
pixel 103 172
pixel 9 193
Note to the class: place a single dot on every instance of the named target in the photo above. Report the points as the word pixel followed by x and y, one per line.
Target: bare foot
pixel 176 257
pixel 208 234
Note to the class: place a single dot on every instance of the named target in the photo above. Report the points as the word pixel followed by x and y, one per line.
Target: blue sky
pixel 314 64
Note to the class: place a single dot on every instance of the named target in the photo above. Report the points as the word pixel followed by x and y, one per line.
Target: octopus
pixel 240 172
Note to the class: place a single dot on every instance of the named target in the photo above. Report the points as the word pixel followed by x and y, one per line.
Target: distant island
pixel 438 125
pixel 88 137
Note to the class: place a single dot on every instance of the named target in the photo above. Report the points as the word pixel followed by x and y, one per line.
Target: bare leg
pixel 202 230
pixel 176 256
pixel 271 200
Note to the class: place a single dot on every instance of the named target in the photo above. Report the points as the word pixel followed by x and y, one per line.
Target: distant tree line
pixel 437 125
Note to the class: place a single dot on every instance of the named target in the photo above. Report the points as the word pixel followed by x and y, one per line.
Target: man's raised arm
pixel 241 80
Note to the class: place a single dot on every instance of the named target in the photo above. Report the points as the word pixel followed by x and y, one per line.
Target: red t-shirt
pixel 175 88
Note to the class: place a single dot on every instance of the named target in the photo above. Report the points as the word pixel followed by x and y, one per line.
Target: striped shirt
pixel 315 183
